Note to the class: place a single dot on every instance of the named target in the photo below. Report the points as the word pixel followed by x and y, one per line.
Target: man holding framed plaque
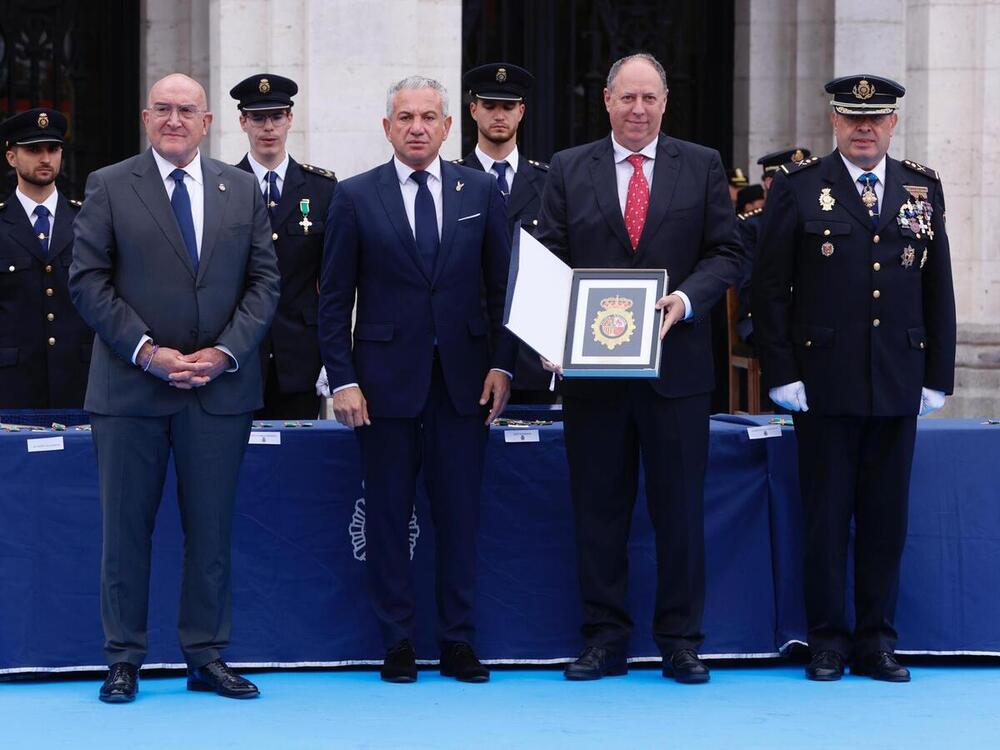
pixel 642 200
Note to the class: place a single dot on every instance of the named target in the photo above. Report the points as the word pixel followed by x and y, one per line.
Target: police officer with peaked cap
pixel 854 315
pixel 737 181
pixel 497 92
pixel 297 196
pixel 44 344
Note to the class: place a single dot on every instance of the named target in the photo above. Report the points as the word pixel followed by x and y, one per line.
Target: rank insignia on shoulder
pixel 797 166
pixel 539 164
pixel 748 214
pixel 921 169
pixel 3 204
pixel 459 160
pixel 319 170
pixel 72 202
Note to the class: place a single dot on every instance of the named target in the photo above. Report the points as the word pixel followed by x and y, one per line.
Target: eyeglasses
pixel 258 119
pixel 184 111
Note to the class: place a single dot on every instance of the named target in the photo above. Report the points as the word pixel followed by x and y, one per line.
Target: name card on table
pixel 520 436
pixel 39 445
pixel 764 431
pixel 257 437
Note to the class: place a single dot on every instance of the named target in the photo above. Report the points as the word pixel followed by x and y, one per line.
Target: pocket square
pixel 470 216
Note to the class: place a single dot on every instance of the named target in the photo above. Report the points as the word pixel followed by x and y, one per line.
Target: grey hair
pixel 416 82
pixel 613 73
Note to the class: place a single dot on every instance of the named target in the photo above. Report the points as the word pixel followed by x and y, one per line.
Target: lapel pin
pixel 222 187
pixel 458 186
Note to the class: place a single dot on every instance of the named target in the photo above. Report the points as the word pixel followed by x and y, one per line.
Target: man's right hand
pixel 350 407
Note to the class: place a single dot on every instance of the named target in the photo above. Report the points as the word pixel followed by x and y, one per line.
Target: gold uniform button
pixel 48 269
pixel 52 342
pixel 826 232
pixel 876 239
pixel 11 269
pixel 876 322
pixel 876 294
pixel 877 266
pixel 50 317
pixel 274 236
pixel 49 292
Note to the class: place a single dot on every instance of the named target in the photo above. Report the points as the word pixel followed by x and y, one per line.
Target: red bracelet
pixel 149 361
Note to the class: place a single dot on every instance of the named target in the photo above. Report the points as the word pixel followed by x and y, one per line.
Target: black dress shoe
pixel 826 666
pixel 121 684
pixel 685 666
pixel 881 666
pixel 458 660
pixel 594 663
pixel 217 677
pixel 400 664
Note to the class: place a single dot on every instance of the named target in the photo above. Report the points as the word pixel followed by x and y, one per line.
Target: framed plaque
pixel 613 326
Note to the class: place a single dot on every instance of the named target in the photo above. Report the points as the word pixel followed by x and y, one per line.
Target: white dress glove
pixel 791 396
pixel 930 400
pixel 322 384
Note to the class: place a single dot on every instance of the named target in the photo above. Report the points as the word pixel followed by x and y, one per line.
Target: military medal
pixel 826 201
pixel 614 324
pixel 304 208
pixel 868 197
pixel 906 259
pixel 923 259
pixel 827 249
pixel 915 214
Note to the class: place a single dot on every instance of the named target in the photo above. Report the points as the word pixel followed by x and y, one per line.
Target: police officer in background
pixel 497 92
pixel 44 344
pixel 297 197
pixel 855 328
pixel 737 181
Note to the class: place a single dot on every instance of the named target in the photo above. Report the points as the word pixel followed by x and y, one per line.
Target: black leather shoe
pixel 121 684
pixel 594 663
pixel 217 677
pixel 400 664
pixel 458 660
pixel 826 666
pixel 685 666
pixel 881 666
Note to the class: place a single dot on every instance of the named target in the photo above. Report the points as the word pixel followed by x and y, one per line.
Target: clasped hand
pixel 185 371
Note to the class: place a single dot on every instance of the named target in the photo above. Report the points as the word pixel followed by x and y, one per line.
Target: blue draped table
pixel 298 586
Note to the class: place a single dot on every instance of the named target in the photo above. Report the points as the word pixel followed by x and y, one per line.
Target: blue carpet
pixel 760 707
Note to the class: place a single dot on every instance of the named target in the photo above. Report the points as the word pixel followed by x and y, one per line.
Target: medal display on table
pixel 304 208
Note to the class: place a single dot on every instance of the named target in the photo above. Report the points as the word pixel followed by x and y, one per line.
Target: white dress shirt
pixel 260 172
pixel 488 162
pixel 30 205
pixel 623 173
pixel 195 185
pixel 409 190
pixel 878 171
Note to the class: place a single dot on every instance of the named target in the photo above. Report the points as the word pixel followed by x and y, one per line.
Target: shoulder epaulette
pixel 458 161
pixel 74 202
pixel 3 204
pixel 539 164
pixel 319 170
pixel 797 166
pixel 921 169
pixel 748 214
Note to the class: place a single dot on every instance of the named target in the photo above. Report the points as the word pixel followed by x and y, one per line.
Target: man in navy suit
pixel 640 199
pixel 417 240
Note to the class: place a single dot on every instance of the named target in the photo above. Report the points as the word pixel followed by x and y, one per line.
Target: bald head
pixel 176 118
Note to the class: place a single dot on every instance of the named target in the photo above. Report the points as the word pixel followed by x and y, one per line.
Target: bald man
pixel 174 269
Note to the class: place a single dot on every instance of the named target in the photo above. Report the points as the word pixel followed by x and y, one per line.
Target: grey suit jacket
pixel 131 276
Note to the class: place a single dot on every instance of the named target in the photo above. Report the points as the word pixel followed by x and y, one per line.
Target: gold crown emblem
pixel 43 120
pixel 264 86
pixel 616 303
pixel 798 155
pixel 501 75
pixel 864 90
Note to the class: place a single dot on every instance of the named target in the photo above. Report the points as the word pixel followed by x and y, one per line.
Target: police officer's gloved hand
pixel 322 384
pixel 930 400
pixel 791 396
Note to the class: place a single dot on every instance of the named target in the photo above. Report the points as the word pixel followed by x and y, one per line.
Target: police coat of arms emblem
pixel 614 324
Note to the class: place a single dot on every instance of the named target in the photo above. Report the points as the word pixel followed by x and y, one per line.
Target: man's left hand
pixel 497 385
pixel 673 311
pixel 205 366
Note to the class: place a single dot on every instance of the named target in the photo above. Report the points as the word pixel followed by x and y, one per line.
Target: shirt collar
pixel 261 171
pixel 193 169
pixel 30 203
pixel 488 161
pixel 403 172
pixel 856 171
pixel 622 153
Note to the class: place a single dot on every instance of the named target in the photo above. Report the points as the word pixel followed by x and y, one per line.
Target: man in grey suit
pixel 174 269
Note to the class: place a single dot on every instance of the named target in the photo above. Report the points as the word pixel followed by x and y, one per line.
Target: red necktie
pixel 637 201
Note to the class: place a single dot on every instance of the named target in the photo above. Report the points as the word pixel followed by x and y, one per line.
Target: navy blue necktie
pixel 500 167
pixel 868 195
pixel 273 194
pixel 42 227
pixel 180 201
pixel 425 228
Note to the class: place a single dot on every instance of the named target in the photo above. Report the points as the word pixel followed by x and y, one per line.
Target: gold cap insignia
pixel 798 155
pixel 863 90
pixel 264 86
pixel 43 120
pixel 501 75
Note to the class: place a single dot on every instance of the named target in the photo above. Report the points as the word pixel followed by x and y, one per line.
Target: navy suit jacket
pixel 690 230
pixel 370 252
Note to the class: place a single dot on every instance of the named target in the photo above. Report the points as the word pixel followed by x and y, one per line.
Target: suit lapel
pixel 605 182
pixel 525 188
pixel 893 196
pixel 665 171
pixel 215 208
pixel 844 190
pixel 451 197
pixel 392 201
pixel 62 232
pixel 151 191
pixel 292 191
pixel 20 229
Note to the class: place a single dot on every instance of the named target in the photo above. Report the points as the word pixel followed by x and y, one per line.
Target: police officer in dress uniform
pixel 749 226
pixel 297 196
pixel 44 344
pixel 737 181
pixel 855 329
pixel 497 92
